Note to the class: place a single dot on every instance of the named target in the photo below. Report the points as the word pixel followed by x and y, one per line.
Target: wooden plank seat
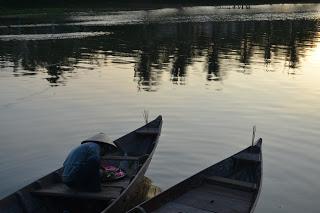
pixel 129 158
pixel 61 190
pixel 210 198
pixel 122 183
pixel 248 157
pixel 173 207
pixel 232 183
pixel 148 131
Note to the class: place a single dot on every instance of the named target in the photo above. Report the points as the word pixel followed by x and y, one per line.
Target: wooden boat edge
pixel 114 207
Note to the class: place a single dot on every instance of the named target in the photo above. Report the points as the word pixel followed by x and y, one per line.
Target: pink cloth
pixel 112 169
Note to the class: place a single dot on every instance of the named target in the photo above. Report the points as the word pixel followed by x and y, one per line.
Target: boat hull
pixel 232 185
pixel 48 194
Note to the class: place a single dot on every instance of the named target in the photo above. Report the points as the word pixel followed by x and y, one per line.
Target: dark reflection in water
pixel 158 48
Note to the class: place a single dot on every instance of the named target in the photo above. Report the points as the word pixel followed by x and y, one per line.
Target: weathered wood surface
pixel 61 190
pixel 122 183
pixel 173 207
pixel 232 183
pixel 148 131
pixel 216 199
pixel 129 158
pixel 249 157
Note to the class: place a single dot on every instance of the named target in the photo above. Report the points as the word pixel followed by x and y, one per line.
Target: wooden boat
pixel 49 194
pixel 232 185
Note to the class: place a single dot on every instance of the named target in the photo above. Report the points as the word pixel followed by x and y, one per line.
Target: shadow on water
pixel 152 48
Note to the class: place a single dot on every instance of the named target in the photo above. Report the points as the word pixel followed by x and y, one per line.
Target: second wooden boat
pixel 133 151
pixel 232 185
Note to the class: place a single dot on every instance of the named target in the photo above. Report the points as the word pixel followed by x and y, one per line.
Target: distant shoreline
pixel 138 4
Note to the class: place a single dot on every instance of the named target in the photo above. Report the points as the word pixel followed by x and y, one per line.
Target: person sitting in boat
pixel 81 169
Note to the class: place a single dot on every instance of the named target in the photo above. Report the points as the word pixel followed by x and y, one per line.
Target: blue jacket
pixel 78 159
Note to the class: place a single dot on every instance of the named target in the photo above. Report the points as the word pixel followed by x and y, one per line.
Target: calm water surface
pixel 212 72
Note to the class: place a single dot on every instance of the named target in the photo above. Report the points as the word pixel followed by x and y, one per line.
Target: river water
pixel 211 72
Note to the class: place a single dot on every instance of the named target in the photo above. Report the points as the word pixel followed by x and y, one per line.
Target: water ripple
pixel 56 36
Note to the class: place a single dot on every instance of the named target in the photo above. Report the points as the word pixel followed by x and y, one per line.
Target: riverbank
pixel 129 5
pixel 65 8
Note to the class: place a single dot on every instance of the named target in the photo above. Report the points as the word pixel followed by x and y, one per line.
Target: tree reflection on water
pixel 158 48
